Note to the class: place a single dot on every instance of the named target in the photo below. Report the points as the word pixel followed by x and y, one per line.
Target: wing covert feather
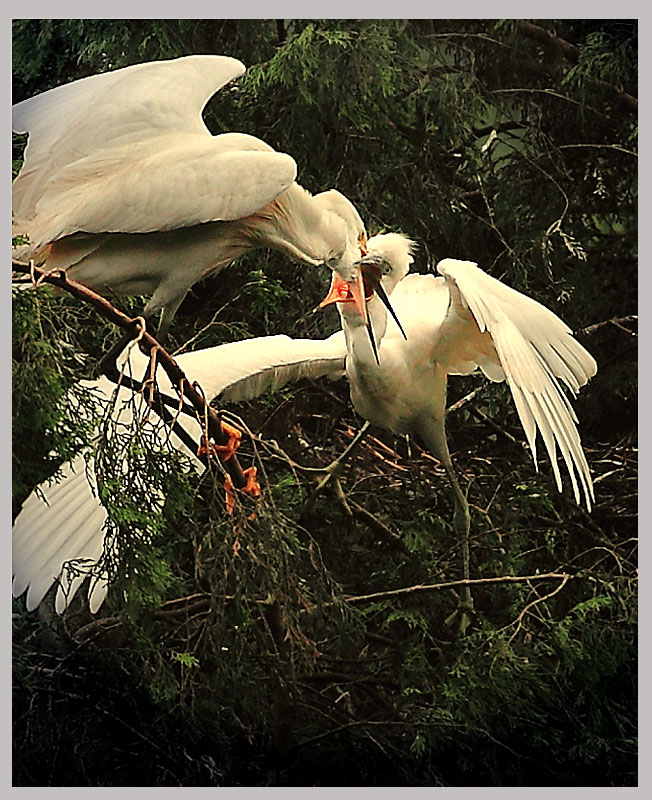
pixel 160 185
pixel 136 108
pixel 125 106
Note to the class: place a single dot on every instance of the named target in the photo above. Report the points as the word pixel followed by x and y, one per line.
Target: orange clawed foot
pixel 251 487
pixel 223 451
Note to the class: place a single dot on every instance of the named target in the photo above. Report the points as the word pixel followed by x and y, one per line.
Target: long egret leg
pixel 462 522
pixel 434 435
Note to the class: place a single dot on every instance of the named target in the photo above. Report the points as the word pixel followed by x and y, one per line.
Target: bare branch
pixel 375 524
pixel 616 321
pixel 434 587
pixel 149 346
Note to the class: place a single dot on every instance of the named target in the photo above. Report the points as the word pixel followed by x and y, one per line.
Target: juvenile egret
pixel 124 187
pixel 455 323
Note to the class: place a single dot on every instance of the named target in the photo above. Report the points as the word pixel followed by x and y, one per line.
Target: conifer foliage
pixel 297 642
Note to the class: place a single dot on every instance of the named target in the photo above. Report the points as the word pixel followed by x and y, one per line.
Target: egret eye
pixel 385 268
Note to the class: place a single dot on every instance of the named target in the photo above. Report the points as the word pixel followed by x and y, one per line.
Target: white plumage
pixel 455 323
pixel 125 188
pixel 64 521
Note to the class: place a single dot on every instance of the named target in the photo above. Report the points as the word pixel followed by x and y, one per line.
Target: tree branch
pixel 550 40
pixel 149 345
pixel 434 587
pixel 616 321
pixel 572 53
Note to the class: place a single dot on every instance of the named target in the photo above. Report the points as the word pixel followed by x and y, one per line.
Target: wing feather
pixel 48 534
pixel 161 184
pixel 245 369
pixel 127 151
pixel 536 350
pixel 125 106
pixel 65 521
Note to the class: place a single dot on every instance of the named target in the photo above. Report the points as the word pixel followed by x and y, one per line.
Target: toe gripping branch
pixel 227 436
pixel 225 452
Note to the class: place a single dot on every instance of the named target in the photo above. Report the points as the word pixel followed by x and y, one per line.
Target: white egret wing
pixel 158 185
pixel 536 350
pixel 111 109
pixel 63 522
pixel 245 369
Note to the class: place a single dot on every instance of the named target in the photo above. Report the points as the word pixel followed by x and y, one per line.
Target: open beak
pixel 380 291
pixel 342 291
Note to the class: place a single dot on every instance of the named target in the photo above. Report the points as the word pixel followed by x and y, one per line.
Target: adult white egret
pixel 455 323
pixel 124 187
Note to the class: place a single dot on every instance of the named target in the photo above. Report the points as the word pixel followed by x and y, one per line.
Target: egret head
pixel 388 258
pixel 356 235
pixel 351 231
pixel 386 262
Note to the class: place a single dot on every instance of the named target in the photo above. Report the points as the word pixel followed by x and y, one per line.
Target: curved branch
pixel 149 346
pixel 434 587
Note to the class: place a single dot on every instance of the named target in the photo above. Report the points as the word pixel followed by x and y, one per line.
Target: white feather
pixel 535 349
pixel 154 99
pixel 64 521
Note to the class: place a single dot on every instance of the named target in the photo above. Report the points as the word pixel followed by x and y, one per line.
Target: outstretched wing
pixel 61 523
pixel 128 151
pixel 535 350
pixel 59 534
pixel 245 369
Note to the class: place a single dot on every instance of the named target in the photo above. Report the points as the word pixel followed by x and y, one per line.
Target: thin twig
pixel 464 400
pixel 615 147
pixel 433 587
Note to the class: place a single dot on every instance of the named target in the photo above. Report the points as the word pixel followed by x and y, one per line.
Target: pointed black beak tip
pixel 380 291
pixel 372 341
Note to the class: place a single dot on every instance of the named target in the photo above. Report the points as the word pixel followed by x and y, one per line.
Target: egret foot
pixel 251 487
pixel 223 451
pixel 464 612
pixel 108 363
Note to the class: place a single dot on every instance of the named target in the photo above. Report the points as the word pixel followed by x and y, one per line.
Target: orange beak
pixel 342 291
